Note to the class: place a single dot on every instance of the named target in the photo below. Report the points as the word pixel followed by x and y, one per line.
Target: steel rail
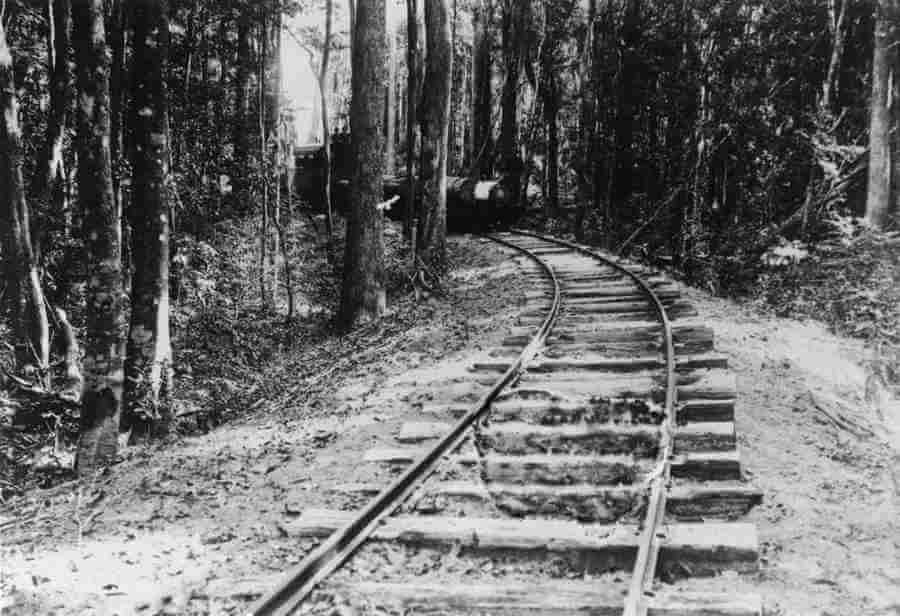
pixel 644 570
pixel 330 555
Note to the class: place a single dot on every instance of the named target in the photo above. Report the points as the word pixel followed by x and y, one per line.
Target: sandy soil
pixel 174 529
pixel 830 521
pixel 154 535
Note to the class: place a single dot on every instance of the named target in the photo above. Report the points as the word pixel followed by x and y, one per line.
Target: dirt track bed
pixel 829 524
pixel 163 526
pixel 197 526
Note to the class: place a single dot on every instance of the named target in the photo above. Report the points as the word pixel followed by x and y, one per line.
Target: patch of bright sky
pixel 300 66
pixel 299 69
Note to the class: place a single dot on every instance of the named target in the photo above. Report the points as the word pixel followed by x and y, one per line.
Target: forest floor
pixel 197 524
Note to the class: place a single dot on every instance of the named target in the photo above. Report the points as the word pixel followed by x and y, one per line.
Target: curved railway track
pixel 599 461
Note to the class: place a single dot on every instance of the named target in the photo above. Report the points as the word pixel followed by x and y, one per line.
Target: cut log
pixel 469 202
pixel 700 549
pixel 720 500
pixel 553 598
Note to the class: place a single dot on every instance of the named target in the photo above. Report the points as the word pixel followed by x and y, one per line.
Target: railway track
pixel 596 473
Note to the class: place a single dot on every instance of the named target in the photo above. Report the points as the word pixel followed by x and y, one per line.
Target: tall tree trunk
pixel 273 140
pixel 103 362
pixel 830 85
pixel 435 128
pixel 878 199
pixel 626 108
pixel 326 127
pixel 509 156
pixel 482 154
pixel 829 88
pixel 24 297
pixel 390 117
pixel 587 122
pixel 242 130
pixel 412 72
pixel 50 172
pixel 266 295
pixel 117 36
pixel 362 294
pixel 549 93
pixel 148 363
pixel 351 9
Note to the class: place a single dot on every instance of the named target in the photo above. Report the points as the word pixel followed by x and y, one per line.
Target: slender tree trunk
pixel 482 150
pixel 362 295
pixel 50 171
pixel 266 295
pixel 830 85
pixel 24 297
pixel 588 142
pixel 549 93
pixel 878 199
pixel 351 8
pixel 551 113
pixel 390 118
pixel 117 78
pixel 148 363
pixel 509 156
pixel 626 109
pixel 326 127
pixel 103 361
pixel 289 217
pixel 242 125
pixel 273 115
pixel 435 129
pixel 412 71
pixel 829 88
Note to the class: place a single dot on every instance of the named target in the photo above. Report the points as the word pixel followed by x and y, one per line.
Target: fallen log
pixel 470 202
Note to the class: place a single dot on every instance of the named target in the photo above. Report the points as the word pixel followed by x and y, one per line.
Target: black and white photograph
pixel 450 307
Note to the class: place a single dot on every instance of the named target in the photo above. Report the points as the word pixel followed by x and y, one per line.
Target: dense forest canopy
pixel 698 134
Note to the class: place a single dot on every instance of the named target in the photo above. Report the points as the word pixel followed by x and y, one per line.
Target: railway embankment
pixel 205 521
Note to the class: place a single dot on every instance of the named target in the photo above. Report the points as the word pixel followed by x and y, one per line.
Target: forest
pixel 712 138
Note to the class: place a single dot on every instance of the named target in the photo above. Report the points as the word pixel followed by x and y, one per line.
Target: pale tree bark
pixel 824 120
pixel 878 198
pixel 266 291
pixel 242 130
pixel 391 119
pixel 148 363
pixel 273 117
pixel 24 297
pixel 117 36
pixel 326 128
pixel 837 15
pixel 435 115
pixel 351 9
pixel 412 71
pixel 103 361
pixel 362 294
pixel 50 171
pixel 482 154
